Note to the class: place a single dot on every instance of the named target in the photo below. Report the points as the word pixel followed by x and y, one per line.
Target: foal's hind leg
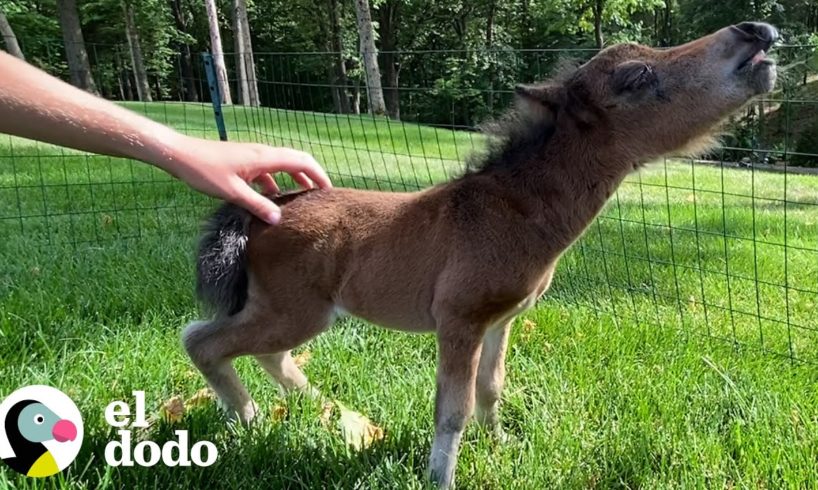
pixel 491 374
pixel 267 334
pixel 212 346
pixel 281 367
pixel 284 330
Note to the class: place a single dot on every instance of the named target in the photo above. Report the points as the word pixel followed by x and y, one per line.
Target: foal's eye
pixel 631 76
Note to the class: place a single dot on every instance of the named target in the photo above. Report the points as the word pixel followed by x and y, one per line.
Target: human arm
pixel 38 106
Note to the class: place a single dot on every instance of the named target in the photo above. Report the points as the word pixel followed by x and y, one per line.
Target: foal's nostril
pixel 758 32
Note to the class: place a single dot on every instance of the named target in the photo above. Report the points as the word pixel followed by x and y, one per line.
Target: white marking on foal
pixel 443 459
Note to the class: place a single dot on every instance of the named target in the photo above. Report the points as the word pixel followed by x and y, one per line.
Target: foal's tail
pixel 221 266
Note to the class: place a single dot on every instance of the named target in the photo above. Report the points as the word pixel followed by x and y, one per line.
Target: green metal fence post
pixel 215 95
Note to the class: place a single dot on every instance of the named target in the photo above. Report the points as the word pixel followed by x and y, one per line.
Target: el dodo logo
pixel 41 431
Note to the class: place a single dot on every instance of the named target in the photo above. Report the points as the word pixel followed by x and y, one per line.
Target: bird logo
pixel 42 431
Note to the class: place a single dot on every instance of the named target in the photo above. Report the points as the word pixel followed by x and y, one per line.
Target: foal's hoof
pixel 439 481
pixel 504 437
pixel 500 436
pixel 245 415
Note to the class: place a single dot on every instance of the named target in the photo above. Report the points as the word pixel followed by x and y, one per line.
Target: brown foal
pixel 461 259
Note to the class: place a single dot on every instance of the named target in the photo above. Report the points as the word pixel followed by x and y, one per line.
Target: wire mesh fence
pixel 725 246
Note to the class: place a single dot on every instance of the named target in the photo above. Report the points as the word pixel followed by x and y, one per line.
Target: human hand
pixel 38 106
pixel 226 170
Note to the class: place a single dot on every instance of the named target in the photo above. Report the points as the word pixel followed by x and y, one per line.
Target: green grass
pixel 662 358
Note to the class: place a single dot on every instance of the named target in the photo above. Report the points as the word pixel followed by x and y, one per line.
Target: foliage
pixel 806 149
pixel 455 61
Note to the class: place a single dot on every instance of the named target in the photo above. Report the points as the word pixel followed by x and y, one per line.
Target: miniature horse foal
pixel 461 259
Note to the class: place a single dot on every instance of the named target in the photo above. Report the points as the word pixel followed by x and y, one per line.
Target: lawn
pixel 677 347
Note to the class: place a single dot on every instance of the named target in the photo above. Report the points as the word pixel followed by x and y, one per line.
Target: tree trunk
pixel 217 52
pixel 75 53
pixel 126 78
pixel 143 88
pixel 243 95
pixel 663 23
pixel 118 71
pixel 338 71
pixel 599 6
pixel 387 30
pixel 356 98
pixel 668 23
pixel 123 76
pixel 374 91
pixel 492 72
pixel 10 39
pixel 461 27
pixel 190 92
pixel 490 24
pixel 120 86
pixel 526 24
pixel 247 54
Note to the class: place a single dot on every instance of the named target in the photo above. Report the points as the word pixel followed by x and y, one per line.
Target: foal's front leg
pixel 458 353
pixel 491 375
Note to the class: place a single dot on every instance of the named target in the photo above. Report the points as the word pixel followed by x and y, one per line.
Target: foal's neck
pixel 564 184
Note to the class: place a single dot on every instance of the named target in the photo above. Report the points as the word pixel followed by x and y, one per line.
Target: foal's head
pixel 635 103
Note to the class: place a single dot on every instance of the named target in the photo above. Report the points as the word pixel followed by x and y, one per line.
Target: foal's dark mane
pixel 512 140
pixel 515 136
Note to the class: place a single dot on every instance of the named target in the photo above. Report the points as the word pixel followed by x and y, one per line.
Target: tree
pixel 621 19
pixel 369 54
pixel 245 65
pixel 180 19
pixel 75 52
pixel 598 7
pixel 663 23
pixel 217 51
pixel 143 89
pixel 9 38
pixel 388 21
pixel 242 88
pixel 338 70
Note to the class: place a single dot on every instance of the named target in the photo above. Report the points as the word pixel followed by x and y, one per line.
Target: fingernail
pixel 274 217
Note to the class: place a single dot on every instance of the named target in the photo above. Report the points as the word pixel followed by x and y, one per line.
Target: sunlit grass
pixel 660 359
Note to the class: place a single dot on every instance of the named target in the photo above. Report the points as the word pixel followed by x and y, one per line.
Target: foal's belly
pixel 391 318
pixel 400 292
pixel 394 301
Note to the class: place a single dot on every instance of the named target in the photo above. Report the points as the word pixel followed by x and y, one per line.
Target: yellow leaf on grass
pixel 201 398
pixel 278 412
pixel 358 431
pixel 528 328
pixel 173 409
pixel 326 413
pixel 302 358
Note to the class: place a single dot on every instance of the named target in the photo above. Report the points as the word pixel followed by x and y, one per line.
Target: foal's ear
pixel 540 102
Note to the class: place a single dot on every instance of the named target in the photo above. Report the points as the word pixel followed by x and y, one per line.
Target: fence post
pixel 215 95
